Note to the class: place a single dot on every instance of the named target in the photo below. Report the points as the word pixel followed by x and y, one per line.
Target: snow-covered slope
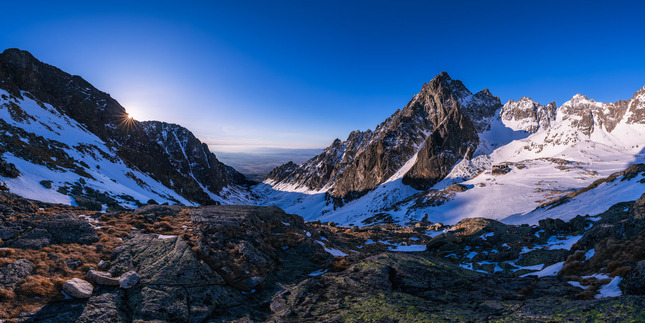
pixel 541 154
pixel 69 141
pixel 58 158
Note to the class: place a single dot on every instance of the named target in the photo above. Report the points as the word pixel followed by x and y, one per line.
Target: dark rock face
pixel 37 231
pixel 140 144
pixel 190 156
pixel 440 122
pixel 8 169
pixel 249 245
pixel 634 281
pixel 454 139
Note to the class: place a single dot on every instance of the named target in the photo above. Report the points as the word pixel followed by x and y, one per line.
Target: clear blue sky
pixel 243 74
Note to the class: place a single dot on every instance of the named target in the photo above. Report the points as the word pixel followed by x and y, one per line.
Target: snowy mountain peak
pixel 527 115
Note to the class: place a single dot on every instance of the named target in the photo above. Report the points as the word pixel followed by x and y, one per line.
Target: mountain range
pixel 456 207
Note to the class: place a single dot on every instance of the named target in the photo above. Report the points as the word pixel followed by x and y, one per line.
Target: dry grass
pixel 50 267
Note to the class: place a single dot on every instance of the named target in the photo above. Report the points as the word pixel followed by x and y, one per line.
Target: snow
pixel 554 161
pixel 487 235
pixel 552 270
pixel 164 237
pixel 318 272
pixel 113 177
pixel 610 290
pixel 332 251
pixel 408 248
pixel 577 284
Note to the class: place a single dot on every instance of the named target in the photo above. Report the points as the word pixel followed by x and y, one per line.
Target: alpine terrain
pixel 455 208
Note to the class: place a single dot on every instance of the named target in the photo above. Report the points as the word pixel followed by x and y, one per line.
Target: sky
pixel 297 74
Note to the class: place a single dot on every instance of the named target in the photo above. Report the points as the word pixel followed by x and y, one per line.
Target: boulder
pixel 128 279
pixel 78 288
pixel 102 278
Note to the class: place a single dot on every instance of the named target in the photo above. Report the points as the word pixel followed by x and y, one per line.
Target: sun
pixel 132 114
pixel 127 121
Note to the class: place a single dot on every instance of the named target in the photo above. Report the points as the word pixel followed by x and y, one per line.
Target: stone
pixel 129 279
pixel 73 263
pixel 103 264
pixel 78 288
pixel 14 273
pixel 102 278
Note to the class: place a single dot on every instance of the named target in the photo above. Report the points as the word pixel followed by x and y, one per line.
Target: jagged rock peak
pixel 640 94
pixel 528 115
pixel 443 81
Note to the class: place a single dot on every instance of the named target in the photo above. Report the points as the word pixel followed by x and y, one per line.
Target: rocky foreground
pixel 244 263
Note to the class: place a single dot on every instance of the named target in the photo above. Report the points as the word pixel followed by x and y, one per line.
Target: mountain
pixel 437 128
pixel 454 208
pixel 68 141
pixel 482 159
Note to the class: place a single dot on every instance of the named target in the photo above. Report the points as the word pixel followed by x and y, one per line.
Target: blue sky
pixel 297 74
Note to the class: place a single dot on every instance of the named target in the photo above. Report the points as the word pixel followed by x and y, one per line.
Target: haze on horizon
pixel 246 75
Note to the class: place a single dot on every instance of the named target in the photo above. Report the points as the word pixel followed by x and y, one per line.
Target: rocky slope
pixel 42 103
pixel 437 127
pixel 243 263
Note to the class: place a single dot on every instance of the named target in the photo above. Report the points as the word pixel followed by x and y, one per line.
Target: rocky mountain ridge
pixel 547 151
pixel 180 162
pixel 431 125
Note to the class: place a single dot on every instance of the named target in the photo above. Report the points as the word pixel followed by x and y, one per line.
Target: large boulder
pixel 250 245
pixel 78 288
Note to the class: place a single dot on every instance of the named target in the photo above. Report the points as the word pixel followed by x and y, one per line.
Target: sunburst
pixel 127 122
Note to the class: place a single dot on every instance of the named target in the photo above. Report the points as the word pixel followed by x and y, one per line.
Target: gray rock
pixel 128 279
pixel 14 273
pixel 546 257
pixel 103 264
pixel 73 263
pixel 78 288
pixel 102 278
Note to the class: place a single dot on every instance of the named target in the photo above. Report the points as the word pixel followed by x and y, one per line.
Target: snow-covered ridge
pixel 549 153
